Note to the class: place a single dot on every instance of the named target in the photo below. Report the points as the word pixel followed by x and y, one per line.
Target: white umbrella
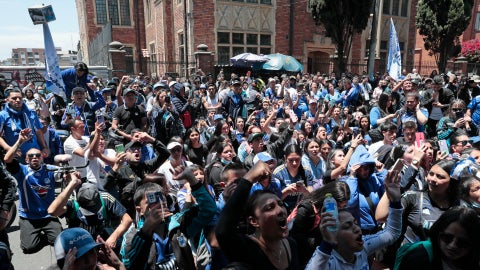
pixel 248 59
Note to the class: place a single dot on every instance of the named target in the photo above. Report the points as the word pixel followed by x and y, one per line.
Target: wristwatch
pixel 415 162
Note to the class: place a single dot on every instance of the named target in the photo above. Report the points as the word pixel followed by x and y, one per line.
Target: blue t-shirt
pixel 282 176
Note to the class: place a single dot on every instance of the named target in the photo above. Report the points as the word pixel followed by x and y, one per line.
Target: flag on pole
pixel 53 77
pixel 394 66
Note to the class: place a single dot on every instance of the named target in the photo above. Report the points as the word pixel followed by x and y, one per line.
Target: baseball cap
pixel 172 83
pixel 106 89
pixel 88 198
pixel 263 156
pixel 172 145
pixel 234 82
pixel 438 79
pixel 203 86
pixel 255 135
pixel 133 144
pixel 74 237
pixel 128 90
pixel 312 100
pixel 217 117
pixel 293 78
pixel 78 89
pixel 112 82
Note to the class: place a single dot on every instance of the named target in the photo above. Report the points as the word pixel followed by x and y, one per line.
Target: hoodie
pixel 365 193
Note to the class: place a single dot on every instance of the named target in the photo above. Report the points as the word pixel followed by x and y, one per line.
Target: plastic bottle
pixel 330 205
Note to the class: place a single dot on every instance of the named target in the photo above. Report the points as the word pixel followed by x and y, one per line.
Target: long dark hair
pixel 186 138
pixel 382 104
pixel 447 165
pixel 339 190
pixel 470 222
pixel 296 149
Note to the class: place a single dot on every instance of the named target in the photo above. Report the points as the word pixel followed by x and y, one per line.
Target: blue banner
pixel 53 77
pixel 394 66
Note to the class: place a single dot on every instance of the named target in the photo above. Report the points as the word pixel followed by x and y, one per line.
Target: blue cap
pixel 74 237
pixel 475 139
pixel 107 89
pixel 218 117
pixel 263 156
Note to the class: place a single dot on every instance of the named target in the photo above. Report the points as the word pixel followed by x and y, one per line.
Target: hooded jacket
pixel 365 193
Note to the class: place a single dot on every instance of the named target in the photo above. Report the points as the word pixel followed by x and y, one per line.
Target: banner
pixel 394 66
pixel 53 77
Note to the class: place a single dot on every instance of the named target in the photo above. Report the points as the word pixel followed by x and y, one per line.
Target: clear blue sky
pixel 18 31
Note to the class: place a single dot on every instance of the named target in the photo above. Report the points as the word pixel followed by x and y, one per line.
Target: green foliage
pixel 441 22
pixel 341 19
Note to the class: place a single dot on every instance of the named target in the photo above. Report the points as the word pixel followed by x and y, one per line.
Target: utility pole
pixel 185 39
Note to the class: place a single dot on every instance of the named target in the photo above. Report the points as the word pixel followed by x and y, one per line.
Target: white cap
pixel 172 83
pixel 263 156
pixel 172 145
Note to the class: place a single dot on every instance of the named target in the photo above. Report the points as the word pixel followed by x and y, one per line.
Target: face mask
pixel 40 92
pixel 224 161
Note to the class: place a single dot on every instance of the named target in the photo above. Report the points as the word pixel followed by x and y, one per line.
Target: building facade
pixel 126 18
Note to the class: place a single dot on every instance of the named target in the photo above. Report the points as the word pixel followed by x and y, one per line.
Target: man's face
pixel 237 89
pixel 409 135
pixel 15 100
pixel 176 153
pixel 78 97
pixel 130 98
pixel 34 158
pixel 257 145
pixel 411 103
pixel 462 144
pixel 134 154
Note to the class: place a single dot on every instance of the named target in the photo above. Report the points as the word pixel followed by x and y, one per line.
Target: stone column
pixel 118 65
pixel 204 59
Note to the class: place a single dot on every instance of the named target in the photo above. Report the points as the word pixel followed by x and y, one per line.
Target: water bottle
pixel 330 205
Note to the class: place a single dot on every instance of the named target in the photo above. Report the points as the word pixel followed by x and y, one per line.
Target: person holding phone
pixel 454 120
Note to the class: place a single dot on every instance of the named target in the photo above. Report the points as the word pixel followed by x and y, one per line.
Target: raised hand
pixel 392 186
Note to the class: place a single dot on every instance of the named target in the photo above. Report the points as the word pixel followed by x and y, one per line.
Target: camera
pixel 154 197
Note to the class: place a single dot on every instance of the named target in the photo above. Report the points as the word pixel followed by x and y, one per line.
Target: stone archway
pixel 319 61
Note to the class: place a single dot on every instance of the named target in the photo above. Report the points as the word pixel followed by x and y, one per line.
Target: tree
pixel 441 22
pixel 341 19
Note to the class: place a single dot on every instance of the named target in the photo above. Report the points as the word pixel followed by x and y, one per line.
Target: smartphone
pixel 299 183
pixel 442 144
pixel 398 166
pixel 100 118
pixel 356 131
pixel 459 114
pixel 167 99
pixel 119 148
pixel 154 197
pixel 419 139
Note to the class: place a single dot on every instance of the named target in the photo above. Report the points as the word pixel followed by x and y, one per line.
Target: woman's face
pixel 194 137
pixel 411 103
pixel 364 123
pixel 262 122
pixel 225 129
pixel 331 89
pixel 199 175
pixel 325 150
pixel 313 149
pixel 474 192
pixel 270 217
pixel 438 180
pixel 336 112
pixel 429 153
pixel 338 158
pixel 227 153
pixel 408 154
pixel 308 127
pixel 454 242
pixel 293 160
pixel 240 124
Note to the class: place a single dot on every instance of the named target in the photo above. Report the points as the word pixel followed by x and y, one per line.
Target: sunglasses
pixel 465 142
pixel 448 238
pixel 34 155
pixel 457 109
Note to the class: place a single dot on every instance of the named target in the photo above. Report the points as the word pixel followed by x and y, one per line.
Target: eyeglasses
pixel 37 155
pixel 465 142
pixel 457 109
pixel 133 149
pixel 448 238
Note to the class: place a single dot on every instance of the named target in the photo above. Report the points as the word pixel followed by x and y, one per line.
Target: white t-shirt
pixel 70 145
pixel 96 169
pixel 174 185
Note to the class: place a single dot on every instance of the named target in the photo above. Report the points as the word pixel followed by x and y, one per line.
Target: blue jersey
pixel 36 189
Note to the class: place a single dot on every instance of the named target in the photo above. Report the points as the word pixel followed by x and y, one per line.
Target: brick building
pixel 126 18
pixel 28 56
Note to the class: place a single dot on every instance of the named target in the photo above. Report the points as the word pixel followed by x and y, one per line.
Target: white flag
pixel 53 77
pixel 394 66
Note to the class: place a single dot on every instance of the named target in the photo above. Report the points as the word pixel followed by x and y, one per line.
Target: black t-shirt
pixel 198 155
pixel 129 118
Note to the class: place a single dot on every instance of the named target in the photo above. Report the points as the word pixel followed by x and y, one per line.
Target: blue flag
pixel 53 77
pixel 394 66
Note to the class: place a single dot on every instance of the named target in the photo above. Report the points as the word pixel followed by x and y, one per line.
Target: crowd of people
pixel 231 171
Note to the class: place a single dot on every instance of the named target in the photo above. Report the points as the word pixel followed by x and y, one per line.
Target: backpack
pixel 409 247
pixel 163 125
pixel 187 119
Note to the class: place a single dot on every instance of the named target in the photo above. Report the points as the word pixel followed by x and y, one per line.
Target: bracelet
pixel 353 147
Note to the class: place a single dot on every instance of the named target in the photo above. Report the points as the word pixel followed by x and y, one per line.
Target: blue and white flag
pixel 394 66
pixel 53 77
